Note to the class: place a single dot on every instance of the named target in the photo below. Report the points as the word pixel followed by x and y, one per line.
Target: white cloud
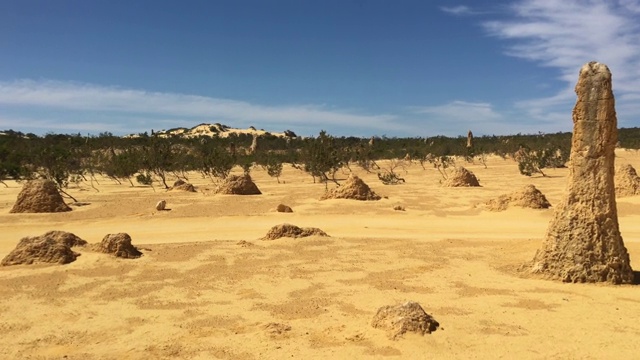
pixel 456 117
pixel 29 124
pixel 565 34
pixel 460 111
pixel 631 5
pixel 457 10
pixel 157 107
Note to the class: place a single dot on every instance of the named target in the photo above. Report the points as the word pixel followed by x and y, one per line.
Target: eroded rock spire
pixel 583 241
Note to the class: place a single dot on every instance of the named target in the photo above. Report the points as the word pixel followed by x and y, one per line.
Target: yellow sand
pixel 199 294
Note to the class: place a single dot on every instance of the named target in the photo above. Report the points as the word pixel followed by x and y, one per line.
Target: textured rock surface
pixel 161 205
pixel 254 144
pixel 284 208
pixel 627 181
pixel 276 329
pixel 182 185
pixel 399 319
pixel 527 197
pixel 461 177
pixel 238 185
pixel 39 196
pixel 354 188
pixel 51 247
pixel 469 140
pixel 292 231
pixel 118 245
pixel 583 241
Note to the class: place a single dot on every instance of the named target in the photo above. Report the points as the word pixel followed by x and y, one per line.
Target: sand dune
pixel 207 287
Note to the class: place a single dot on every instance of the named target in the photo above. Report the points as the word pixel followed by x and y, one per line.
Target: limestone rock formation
pixel 39 196
pixel 469 140
pixel 51 247
pixel 65 238
pixel 238 185
pixel 161 205
pixel 461 177
pixel 354 188
pixel 399 319
pixel 527 197
pixel 627 181
pixel 118 245
pixel 182 185
pixel 292 231
pixel 583 241
pixel 284 208
pixel 254 144
pixel 245 243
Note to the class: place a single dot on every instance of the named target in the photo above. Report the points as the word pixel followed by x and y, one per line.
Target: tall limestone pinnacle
pixel 583 241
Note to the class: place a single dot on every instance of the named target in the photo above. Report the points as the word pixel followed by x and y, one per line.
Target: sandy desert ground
pixel 197 293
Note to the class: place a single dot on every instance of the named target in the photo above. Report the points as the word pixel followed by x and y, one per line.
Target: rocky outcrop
pixel 402 318
pixel 53 247
pixel 118 245
pixel 284 208
pixel 527 197
pixel 238 185
pixel 182 185
pixel 161 205
pixel 627 181
pixel 583 241
pixel 39 196
pixel 354 188
pixel 292 231
pixel 461 177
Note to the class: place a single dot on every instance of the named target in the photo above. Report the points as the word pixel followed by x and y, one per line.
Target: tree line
pixel 67 158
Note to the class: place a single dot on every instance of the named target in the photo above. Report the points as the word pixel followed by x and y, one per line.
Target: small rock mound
pixel 276 329
pixel 52 247
pixel 182 185
pixel 39 196
pixel 401 318
pixel 292 231
pixel 399 208
pixel 627 181
pixel 461 177
pixel 118 245
pixel 65 238
pixel 354 188
pixel 161 205
pixel 238 185
pixel 284 208
pixel 245 243
pixel 527 197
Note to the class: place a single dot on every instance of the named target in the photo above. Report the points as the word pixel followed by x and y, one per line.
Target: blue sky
pixel 351 67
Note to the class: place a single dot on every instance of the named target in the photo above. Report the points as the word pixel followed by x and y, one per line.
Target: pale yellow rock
pixel 583 241
pixel 161 205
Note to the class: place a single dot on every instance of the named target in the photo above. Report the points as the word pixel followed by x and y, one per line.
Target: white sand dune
pixel 211 130
pixel 198 294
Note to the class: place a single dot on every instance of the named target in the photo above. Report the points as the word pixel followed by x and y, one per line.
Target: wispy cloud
pixel 30 124
pixel 460 111
pixel 457 10
pixel 565 34
pixel 456 117
pixel 157 107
